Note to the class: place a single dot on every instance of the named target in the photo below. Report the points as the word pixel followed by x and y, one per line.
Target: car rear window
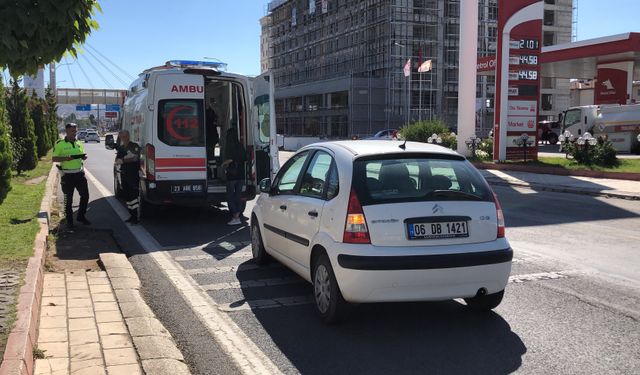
pixel 180 122
pixel 416 178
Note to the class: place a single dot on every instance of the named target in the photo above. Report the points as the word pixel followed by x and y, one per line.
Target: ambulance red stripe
pixel 180 162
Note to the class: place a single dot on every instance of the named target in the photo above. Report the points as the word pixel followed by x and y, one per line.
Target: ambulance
pixel 180 113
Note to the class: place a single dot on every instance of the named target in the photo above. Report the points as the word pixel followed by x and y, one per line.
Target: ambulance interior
pixel 224 109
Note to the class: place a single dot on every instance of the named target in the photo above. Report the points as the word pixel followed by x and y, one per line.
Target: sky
pixel 138 34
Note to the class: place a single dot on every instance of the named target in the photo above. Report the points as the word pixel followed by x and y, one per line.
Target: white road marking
pixel 543 276
pixel 224 269
pixel 239 347
pixel 256 304
pixel 237 254
pixel 258 283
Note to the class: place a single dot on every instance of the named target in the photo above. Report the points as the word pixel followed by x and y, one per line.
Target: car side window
pixel 315 176
pixel 288 175
pixel 333 185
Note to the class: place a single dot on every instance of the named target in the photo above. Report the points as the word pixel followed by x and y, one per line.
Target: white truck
pixel 620 123
pixel 179 113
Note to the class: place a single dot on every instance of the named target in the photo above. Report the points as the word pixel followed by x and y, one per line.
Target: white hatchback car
pixel 382 221
pixel 92 136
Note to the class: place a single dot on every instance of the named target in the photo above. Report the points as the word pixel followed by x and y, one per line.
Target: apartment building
pixel 338 64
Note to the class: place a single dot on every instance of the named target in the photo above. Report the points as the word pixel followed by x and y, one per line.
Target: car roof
pixel 360 148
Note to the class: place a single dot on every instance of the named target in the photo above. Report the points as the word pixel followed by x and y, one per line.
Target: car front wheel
pixel 329 303
pixel 260 255
pixel 485 302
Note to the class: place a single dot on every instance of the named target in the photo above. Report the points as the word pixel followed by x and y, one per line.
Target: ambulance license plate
pixel 187 188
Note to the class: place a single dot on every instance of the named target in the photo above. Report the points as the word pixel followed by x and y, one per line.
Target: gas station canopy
pixel 580 60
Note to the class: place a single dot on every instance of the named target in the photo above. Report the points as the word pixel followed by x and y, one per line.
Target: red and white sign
pixel 486 64
pixel 111 114
pixel 523 108
pixel 611 87
pixel 521 124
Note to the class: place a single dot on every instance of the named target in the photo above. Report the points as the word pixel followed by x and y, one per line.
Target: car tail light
pixel 355 229
pixel 252 162
pixel 500 216
pixel 150 162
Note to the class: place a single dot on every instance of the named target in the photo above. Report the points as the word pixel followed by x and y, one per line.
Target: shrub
pixel 40 126
pixel 51 116
pixel 485 149
pixel 23 136
pixel 602 154
pixel 6 152
pixel 421 131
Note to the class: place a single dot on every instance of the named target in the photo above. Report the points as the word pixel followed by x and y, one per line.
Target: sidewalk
pixel 98 323
pixel 624 189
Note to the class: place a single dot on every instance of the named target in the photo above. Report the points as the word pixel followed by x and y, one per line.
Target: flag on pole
pixel 425 67
pixel 407 68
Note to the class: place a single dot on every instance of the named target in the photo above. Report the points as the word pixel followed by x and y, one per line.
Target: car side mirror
pixel 109 143
pixel 265 185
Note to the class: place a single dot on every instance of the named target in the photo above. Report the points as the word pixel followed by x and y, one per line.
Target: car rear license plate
pixel 187 188
pixel 431 231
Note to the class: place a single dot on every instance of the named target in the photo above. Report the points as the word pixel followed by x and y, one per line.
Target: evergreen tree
pixel 42 134
pixel 22 130
pixel 6 156
pixel 51 116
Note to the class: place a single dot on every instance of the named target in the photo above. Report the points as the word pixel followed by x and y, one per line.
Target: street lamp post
pixel 523 141
pixel 566 139
pixel 435 139
pixel 584 142
pixel 472 143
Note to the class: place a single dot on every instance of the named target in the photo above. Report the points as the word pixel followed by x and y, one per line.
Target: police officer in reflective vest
pixel 69 152
pixel 128 157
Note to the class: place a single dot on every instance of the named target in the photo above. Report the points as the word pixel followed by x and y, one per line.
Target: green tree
pixel 420 131
pixel 42 135
pixel 51 115
pixel 37 32
pixel 22 130
pixel 6 155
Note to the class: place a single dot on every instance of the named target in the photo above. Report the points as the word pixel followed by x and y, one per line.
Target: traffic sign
pixel 112 108
pixel 84 107
pixel 111 114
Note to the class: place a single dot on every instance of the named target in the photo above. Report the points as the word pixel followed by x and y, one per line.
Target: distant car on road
pixel 82 134
pixel 549 131
pixel 385 134
pixel 384 221
pixel 92 136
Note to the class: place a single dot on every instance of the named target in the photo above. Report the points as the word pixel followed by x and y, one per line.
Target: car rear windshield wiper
pixel 454 194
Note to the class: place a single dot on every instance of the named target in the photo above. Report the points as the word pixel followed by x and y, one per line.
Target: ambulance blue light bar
pixel 219 65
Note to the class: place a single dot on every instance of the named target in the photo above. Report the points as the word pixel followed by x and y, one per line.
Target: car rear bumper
pixel 425 277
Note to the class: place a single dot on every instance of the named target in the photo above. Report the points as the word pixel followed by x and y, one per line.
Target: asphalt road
pixel 573 306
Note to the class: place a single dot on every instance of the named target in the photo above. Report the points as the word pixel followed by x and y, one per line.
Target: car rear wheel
pixel 329 303
pixel 260 255
pixel 485 302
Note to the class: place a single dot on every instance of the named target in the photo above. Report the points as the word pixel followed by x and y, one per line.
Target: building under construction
pixel 338 64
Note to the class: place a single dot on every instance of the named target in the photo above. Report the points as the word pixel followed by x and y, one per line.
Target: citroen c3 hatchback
pixel 384 221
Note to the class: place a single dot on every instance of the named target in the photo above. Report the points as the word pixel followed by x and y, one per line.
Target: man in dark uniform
pixel 69 152
pixel 128 157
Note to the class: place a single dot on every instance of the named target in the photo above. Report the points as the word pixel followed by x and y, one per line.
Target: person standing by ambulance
pixel 69 152
pixel 128 157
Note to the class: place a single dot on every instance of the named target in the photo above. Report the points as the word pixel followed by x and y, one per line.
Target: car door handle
pixel 283 207
pixel 313 213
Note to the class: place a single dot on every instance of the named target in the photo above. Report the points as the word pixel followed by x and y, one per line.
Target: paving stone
pixel 77 286
pixel 88 367
pixel 54 301
pixel 78 294
pixel 164 366
pixel 108 316
pixel 79 324
pixel 96 275
pixel 116 341
pixel 79 302
pixel 52 366
pixel 122 356
pixel 53 284
pixel 98 281
pixel 112 328
pixel 122 272
pixel 54 349
pixel 156 347
pixel 53 311
pixel 76 279
pixel 52 335
pixel 85 336
pixel 85 352
pixel 54 292
pixel 103 297
pixel 114 260
pixel 80 312
pixel 144 326
pixel 105 306
pixel 125 370
pixel 100 288
pixel 53 322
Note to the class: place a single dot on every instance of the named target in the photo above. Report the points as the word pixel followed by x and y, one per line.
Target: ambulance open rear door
pixel 264 127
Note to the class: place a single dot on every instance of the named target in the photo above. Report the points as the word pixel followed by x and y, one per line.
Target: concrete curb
pixel 559 171
pixel 18 355
pixel 154 344
pixel 564 189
